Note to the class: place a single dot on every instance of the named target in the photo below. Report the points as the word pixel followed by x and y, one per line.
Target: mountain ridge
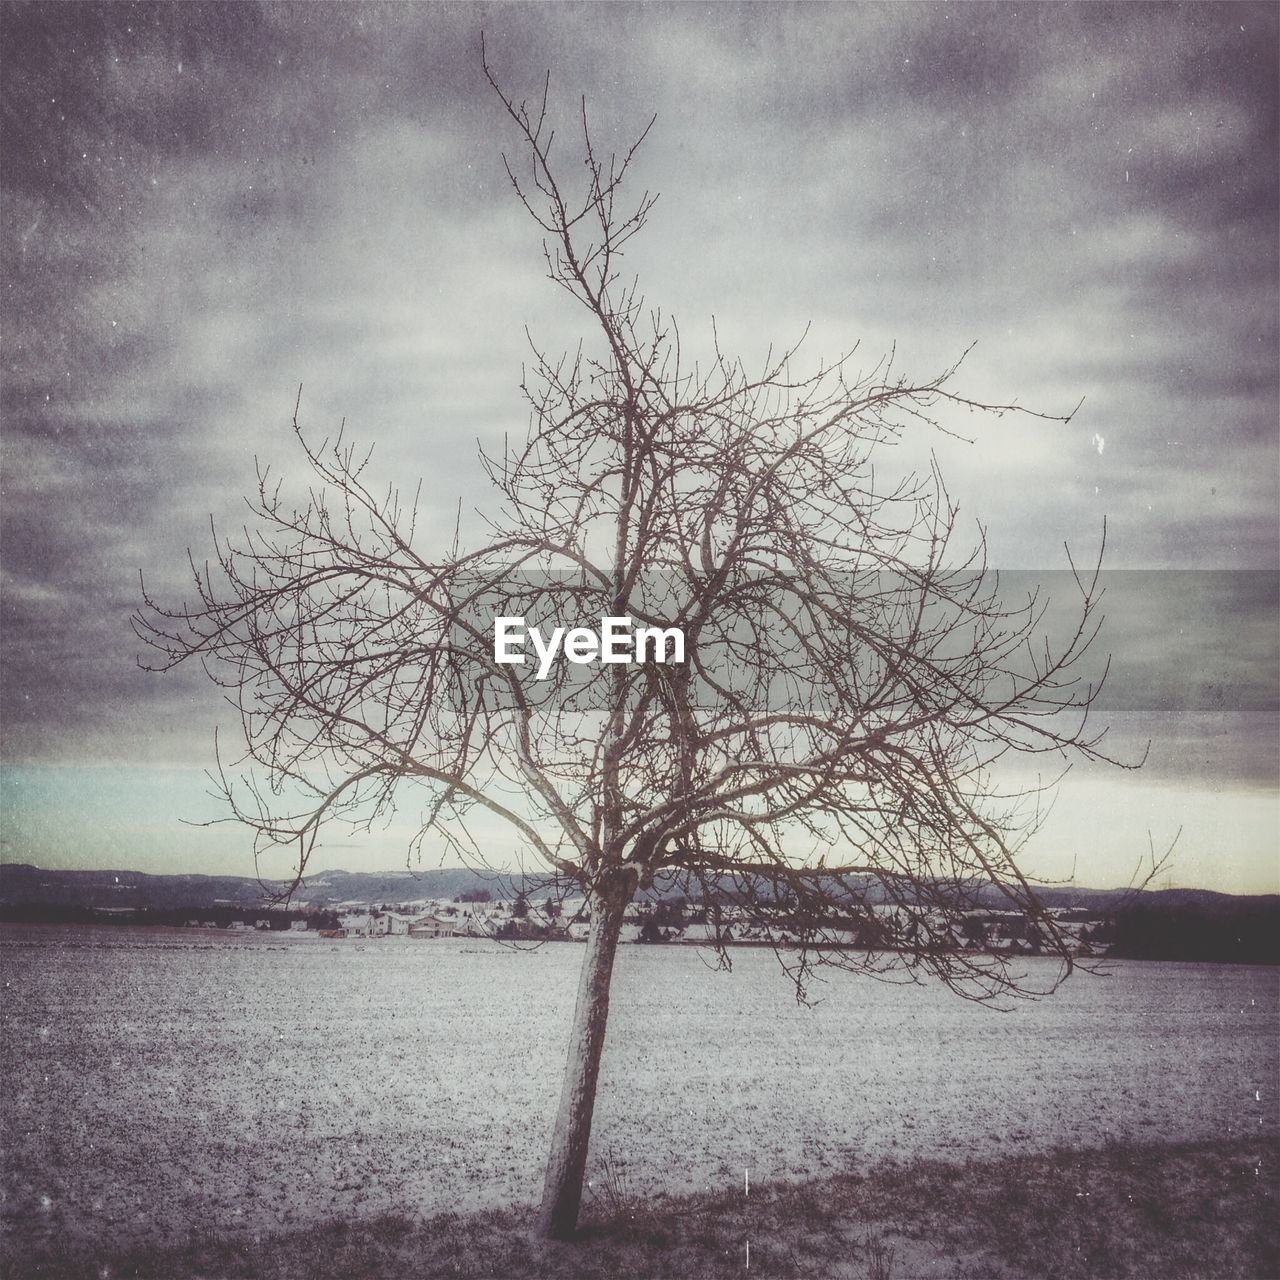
pixel 24 883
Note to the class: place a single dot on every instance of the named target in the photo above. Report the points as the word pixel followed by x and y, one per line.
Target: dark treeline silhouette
pixel 220 916
pixel 1244 931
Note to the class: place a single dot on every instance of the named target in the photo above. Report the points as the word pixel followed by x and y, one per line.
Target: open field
pixel 161 1083
pixel 1192 1211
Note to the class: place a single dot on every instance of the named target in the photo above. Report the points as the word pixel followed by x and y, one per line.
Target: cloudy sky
pixel 208 205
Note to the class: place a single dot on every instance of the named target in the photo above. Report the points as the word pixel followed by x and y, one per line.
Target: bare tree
pixel 850 679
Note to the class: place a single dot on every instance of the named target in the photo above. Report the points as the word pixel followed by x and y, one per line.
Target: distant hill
pixel 21 884
pixel 1103 900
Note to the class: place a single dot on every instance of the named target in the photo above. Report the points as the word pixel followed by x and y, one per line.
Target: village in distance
pixel 1161 924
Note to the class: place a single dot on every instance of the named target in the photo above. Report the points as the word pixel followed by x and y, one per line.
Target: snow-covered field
pixel 158 1082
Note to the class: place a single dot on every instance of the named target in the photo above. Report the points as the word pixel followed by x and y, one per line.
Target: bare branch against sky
pixel 207 205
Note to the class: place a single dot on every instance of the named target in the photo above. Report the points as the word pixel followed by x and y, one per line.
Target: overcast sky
pixel 205 206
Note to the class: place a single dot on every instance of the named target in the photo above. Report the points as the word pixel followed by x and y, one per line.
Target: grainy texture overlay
pixel 856 300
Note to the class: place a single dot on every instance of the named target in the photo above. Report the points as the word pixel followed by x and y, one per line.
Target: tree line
pixel 222 917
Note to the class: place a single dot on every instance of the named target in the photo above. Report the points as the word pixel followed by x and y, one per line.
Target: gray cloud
pixel 207 205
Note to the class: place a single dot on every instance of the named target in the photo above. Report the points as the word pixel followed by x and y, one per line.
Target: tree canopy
pixel 852 675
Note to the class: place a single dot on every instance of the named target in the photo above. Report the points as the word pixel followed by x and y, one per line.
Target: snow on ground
pixel 156 1082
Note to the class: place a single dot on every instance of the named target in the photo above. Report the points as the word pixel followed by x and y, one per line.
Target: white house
pixel 432 927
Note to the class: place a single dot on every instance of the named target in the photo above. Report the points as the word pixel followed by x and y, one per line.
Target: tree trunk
pixel 562 1191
